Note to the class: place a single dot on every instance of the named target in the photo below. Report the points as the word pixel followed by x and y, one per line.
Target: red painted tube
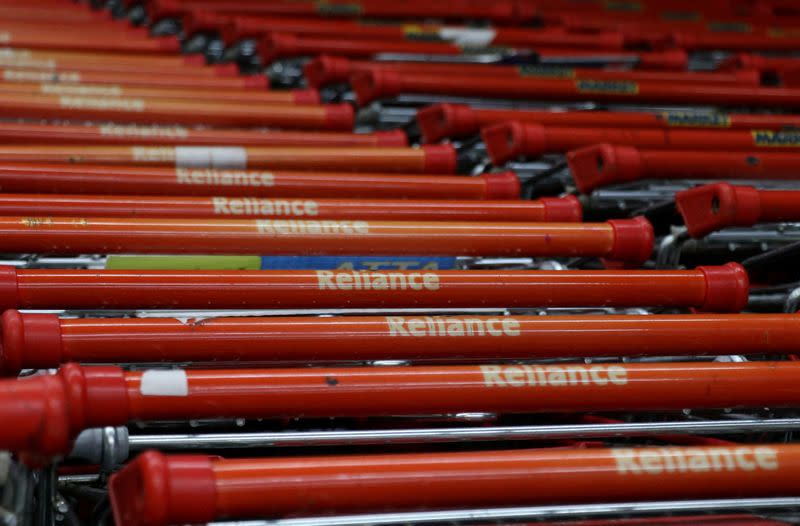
pixel 759 63
pixel 427 159
pixel 325 69
pixel 455 9
pixel 41 341
pixel 152 79
pixel 774 40
pixel 603 164
pixel 140 180
pixel 715 288
pixel 168 111
pixel 157 489
pixel 509 140
pixel 276 46
pixel 49 410
pixel 48 37
pixel 550 209
pixel 253 27
pixel 628 240
pixel 712 207
pixel 441 121
pixel 372 85
pixel 28 133
pixel 208 95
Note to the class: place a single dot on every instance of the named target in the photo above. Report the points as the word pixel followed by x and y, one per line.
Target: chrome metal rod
pixel 538 512
pixel 453 434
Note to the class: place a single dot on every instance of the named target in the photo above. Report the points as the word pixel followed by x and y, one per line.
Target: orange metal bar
pixel 623 239
pixel 49 410
pixel 558 210
pixel 150 111
pixel 427 159
pixel 713 288
pixel 156 489
pixel 140 180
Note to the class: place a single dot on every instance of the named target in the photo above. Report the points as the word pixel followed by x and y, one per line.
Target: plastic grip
pixel 633 240
pixel 727 288
pixel 374 84
pixel 602 165
pixel 9 292
pixel 29 341
pixel 326 69
pixel 155 490
pixel 708 208
pixel 501 185
pixel 507 141
pixel 339 116
pixel 439 159
pixel 441 121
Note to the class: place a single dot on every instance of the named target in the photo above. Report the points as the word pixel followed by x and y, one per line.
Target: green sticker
pixel 533 70
pixel 183 263
pixel 607 86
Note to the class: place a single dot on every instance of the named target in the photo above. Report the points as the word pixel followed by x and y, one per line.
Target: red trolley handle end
pixel 509 140
pixel 633 240
pixel 30 341
pixel 501 186
pixel 712 207
pixel 567 209
pixel 727 288
pixel 374 84
pixel 602 165
pixel 326 69
pixel 443 121
pixel 154 490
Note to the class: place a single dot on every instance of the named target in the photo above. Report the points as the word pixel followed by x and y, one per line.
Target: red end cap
pixel 443 121
pixel 325 69
pixel 748 77
pixel 9 291
pixel 158 9
pixel 566 209
pixel 510 140
pixel 790 77
pixel 375 84
pixel 711 207
pixel 727 288
pixel 501 185
pixel 108 392
pixel 339 117
pixel 633 240
pixel 42 341
pixel 275 46
pixel 305 96
pixel 391 138
pixel 226 70
pixel 156 490
pixel 255 82
pixel 439 159
pixel 602 165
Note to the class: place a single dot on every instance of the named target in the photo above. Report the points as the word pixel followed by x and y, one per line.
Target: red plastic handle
pixel 628 240
pixel 166 111
pixel 44 341
pixel 372 85
pixel 81 397
pixel 431 158
pixel 716 206
pixel 33 133
pixel 157 490
pixel 325 69
pixel 549 209
pixel 120 179
pixel 507 141
pixel 713 288
pixel 441 121
pixel 603 164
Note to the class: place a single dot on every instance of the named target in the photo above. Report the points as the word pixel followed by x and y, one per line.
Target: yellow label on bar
pixel 607 86
pixel 697 120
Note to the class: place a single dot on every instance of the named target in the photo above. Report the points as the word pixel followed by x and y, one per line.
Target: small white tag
pixel 468 37
pixel 214 157
pixel 164 383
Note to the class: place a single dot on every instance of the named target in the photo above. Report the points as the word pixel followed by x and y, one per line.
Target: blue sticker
pixel 357 263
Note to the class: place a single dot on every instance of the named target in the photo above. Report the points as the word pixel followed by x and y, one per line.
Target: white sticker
pixel 164 383
pixel 468 37
pixel 213 157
